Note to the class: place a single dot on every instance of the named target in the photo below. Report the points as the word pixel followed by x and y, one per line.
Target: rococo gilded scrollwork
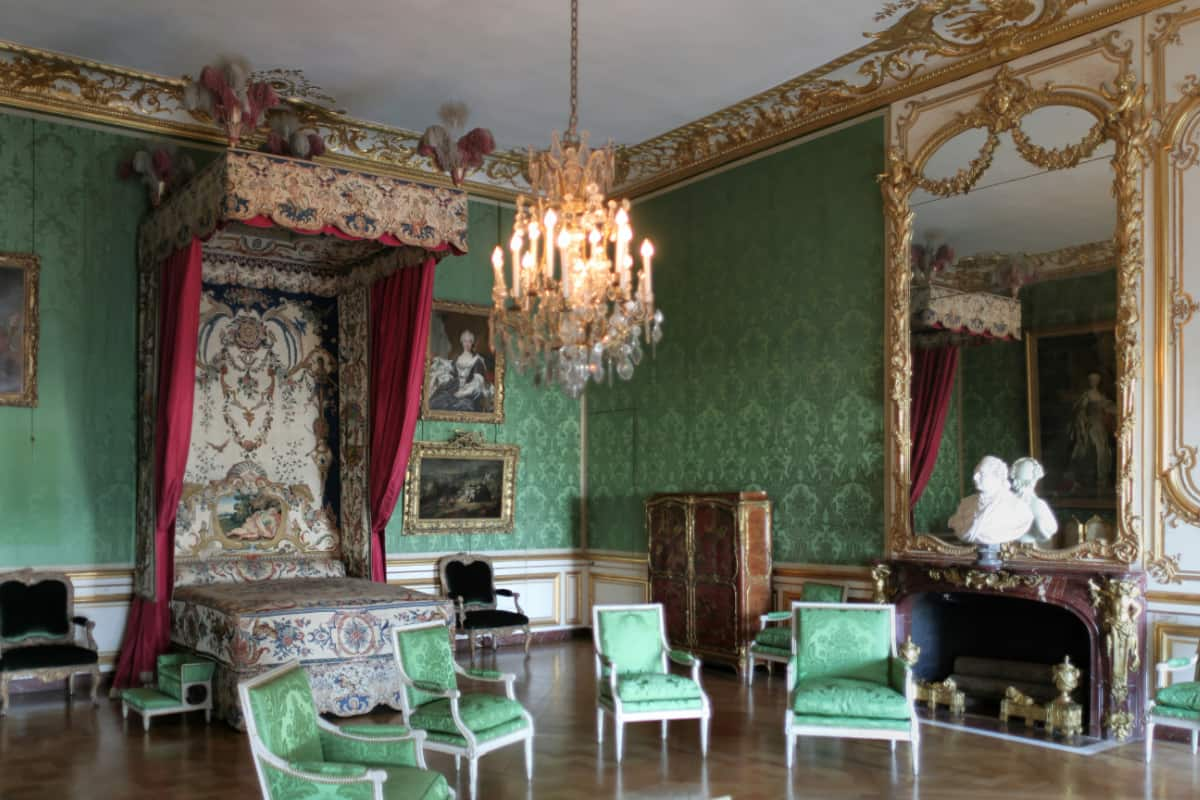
pixel 997 581
pixel 1119 603
pixel 1119 116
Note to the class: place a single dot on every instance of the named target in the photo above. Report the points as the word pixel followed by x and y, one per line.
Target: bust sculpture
pixel 1025 473
pixel 995 515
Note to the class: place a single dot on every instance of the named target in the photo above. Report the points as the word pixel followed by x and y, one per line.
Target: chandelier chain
pixel 574 121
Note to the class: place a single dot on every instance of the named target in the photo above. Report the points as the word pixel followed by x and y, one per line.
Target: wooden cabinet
pixel 710 567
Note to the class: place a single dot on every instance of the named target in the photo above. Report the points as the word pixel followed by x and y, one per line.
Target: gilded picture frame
pixel 464 376
pixel 1072 388
pixel 19 273
pixel 461 486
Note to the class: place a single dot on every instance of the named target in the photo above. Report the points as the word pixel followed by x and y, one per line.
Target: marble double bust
pixel 1005 507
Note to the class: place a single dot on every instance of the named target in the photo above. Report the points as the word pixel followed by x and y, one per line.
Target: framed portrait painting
pixel 18 329
pixel 464 378
pixel 461 486
pixel 1072 386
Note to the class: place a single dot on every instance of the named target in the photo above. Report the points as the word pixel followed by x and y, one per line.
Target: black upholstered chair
pixel 38 632
pixel 468 581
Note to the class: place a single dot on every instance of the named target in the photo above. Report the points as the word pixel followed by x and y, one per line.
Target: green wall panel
pixel 67 481
pixel 769 375
pixel 544 422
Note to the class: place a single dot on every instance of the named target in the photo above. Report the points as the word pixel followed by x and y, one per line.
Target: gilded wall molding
pixel 999 108
pixel 925 45
pixel 1176 152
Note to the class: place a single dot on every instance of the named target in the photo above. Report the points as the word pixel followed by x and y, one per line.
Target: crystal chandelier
pixel 574 309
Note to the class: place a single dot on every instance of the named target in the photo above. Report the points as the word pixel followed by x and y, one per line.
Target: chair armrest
pixel 489 676
pixel 434 688
pixel 370 780
pixel 1165 668
pixel 774 616
pixel 900 677
pixel 516 596
pixel 88 626
pixel 682 657
pixel 332 769
pixel 375 745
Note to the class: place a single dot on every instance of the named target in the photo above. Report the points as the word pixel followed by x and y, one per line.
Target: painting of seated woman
pixel 464 379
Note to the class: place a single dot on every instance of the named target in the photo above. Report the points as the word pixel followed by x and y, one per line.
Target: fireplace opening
pixel 988 642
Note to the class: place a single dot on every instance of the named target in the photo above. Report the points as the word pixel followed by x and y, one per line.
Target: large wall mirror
pixel 1014 259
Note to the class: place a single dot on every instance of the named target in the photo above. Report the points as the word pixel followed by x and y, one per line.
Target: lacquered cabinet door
pixel 716 570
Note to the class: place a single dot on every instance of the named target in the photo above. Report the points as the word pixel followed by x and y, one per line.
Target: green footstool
pixel 184 684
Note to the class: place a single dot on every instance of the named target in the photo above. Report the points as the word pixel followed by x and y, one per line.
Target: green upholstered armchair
pixel 470 725
pixel 299 755
pixel 845 679
pixel 773 643
pixel 633 682
pixel 1176 705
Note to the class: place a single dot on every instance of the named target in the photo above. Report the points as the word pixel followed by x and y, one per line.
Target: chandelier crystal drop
pixel 574 309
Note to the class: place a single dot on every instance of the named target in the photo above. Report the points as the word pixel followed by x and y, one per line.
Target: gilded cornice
pixel 928 43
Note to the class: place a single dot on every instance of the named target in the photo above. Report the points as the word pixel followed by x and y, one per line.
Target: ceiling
pixel 645 68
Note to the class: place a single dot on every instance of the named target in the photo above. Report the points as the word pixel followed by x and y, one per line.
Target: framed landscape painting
pixel 18 329
pixel 1072 384
pixel 461 486
pixel 464 378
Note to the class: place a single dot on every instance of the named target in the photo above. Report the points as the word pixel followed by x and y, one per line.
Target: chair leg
pixel 791 749
pixel 893 743
pixel 146 723
pixel 1195 741
pixel 457 762
pixel 620 729
pixel 124 710
pixel 471 636
pixel 3 696
pixel 704 723
pixel 95 685
pixel 529 758
pixel 1149 741
pixel 770 669
pixel 71 685
pixel 750 673
pixel 915 744
pixel 473 767
pixel 600 725
pixel 528 638
pixel 663 725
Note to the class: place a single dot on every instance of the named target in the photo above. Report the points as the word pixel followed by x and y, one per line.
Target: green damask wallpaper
pixel 544 422
pixel 770 372
pixel 995 415
pixel 67 479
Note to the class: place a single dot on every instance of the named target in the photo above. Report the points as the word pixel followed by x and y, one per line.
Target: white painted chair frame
pixel 375 777
pixel 620 716
pixel 1163 669
pixel 912 735
pixel 770 659
pixel 474 749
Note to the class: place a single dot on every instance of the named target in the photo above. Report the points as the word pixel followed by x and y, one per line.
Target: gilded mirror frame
pixel 1119 116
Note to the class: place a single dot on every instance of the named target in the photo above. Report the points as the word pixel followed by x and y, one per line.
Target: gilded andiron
pixel 944 693
pixel 1061 714
pixel 1018 704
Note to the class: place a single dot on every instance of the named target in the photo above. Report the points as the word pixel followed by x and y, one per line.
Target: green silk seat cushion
pixel 763 650
pixel 479 712
pixel 821 593
pixel 650 687
pixel 1180 695
pixel 414 783
pixel 851 722
pixel 632 639
pixel 1176 712
pixel 843 643
pixel 148 699
pixel 425 654
pixel 848 697
pixel 654 706
pixel 485 735
pixel 286 718
pixel 777 636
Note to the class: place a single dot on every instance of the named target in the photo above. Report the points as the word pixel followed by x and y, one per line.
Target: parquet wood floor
pixel 50 751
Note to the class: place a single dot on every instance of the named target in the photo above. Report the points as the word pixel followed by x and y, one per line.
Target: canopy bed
pixel 283 314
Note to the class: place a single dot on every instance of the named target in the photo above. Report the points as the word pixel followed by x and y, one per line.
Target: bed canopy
pixel 283 315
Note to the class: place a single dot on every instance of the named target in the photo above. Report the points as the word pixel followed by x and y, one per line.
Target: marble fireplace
pixel 1028 615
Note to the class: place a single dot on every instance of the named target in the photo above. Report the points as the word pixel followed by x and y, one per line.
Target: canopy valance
pixel 305 197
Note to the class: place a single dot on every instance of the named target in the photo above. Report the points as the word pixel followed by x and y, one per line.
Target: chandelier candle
pixel 589 316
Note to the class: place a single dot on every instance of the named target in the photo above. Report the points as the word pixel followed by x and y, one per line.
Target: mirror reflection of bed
pixel 1014 298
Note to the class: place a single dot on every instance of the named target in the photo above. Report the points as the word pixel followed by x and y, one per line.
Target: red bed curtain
pixel 401 306
pixel 148 630
pixel 932 387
